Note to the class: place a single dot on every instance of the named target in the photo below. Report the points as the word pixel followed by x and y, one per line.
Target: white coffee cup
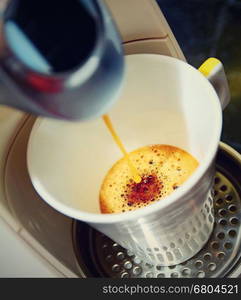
pixel 164 101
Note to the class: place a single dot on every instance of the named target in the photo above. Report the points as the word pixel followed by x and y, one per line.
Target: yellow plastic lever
pixel 209 64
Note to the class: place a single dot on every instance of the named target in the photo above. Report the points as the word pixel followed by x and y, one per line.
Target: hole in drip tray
pixel 200 274
pixel 128 265
pixel 234 221
pixel 120 255
pixel 116 268
pixel 212 267
pixel 109 258
pixel 207 256
pixel 186 272
pixel 137 271
pixel 125 275
pixel 149 275
pixel 160 275
pixel 232 233
pixel 223 222
pixel 174 275
pixel 228 198
pixel 219 201
pixel 221 235
pixel 215 245
pixel 223 188
pixel 232 208
pixel 222 212
pixel 221 255
pixel 228 245
pixel 198 264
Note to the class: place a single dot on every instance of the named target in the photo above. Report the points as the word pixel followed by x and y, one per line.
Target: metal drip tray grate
pixel 98 256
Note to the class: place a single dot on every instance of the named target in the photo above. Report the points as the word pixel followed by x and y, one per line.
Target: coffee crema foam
pixel 163 168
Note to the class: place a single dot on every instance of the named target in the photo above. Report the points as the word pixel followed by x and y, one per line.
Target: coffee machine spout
pixel 60 59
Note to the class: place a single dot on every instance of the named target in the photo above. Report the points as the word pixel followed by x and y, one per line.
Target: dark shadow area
pixel 212 28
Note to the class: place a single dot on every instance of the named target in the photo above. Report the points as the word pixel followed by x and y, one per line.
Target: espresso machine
pixel 70 247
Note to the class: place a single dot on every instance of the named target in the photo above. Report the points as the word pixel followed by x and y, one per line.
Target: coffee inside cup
pixel 163 168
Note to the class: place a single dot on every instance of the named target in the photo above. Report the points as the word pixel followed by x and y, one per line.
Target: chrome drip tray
pixel 99 256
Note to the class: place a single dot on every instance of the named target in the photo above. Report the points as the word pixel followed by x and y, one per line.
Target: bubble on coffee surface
pixel 162 168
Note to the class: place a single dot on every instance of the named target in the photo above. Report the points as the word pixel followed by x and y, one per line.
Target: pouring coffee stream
pixel 134 172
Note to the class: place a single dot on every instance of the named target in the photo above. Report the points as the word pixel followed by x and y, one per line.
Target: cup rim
pixel 96 218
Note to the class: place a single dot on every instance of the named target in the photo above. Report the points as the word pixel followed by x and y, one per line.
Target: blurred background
pixel 212 28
